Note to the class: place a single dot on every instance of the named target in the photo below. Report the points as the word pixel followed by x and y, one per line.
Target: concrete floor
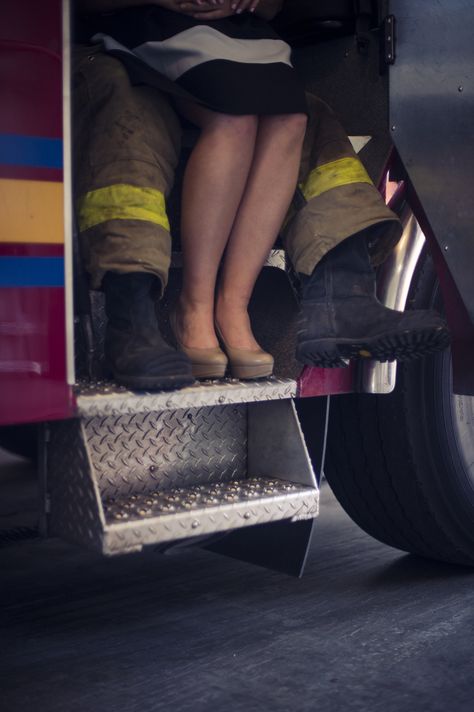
pixel 367 628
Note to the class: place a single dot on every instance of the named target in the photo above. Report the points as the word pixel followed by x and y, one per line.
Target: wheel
pixel 402 465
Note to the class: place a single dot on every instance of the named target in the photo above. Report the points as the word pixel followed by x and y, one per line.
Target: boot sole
pixel 391 346
pixel 154 383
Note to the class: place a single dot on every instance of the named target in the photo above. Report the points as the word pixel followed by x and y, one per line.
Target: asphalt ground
pixel 367 627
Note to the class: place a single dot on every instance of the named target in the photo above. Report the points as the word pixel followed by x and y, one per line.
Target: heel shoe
pixel 205 363
pixel 245 364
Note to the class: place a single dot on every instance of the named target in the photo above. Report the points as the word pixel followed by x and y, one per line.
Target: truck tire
pixel 402 465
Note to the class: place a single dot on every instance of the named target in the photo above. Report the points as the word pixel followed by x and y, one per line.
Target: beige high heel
pixel 205 363
pixel 246 364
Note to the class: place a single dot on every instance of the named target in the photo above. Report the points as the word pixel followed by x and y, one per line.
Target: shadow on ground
pixel 367 628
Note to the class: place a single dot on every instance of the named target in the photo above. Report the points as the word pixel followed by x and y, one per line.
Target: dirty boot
pixel 135 351
pixel 341 317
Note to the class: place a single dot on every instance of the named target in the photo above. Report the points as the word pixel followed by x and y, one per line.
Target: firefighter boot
pixel 341 317
pixel 135 351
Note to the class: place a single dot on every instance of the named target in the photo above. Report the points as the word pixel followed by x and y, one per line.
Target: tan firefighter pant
pixel 126 142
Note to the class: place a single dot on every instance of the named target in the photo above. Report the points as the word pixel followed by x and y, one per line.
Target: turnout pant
pixel 127 142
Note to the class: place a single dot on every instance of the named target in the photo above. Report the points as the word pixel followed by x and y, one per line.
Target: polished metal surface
pixel 276 444
pixel 237 506
pixel 107 399
pixel 393 285
pixel 117 482
pixel 431 116
pixel 74 503
pixel 156 451
pixel 197 497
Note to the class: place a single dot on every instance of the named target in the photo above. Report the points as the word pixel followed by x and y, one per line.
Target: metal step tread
pixel 198 497
pixel 137 520
pixel 105 398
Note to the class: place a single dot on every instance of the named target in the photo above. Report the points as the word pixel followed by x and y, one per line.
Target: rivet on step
pixel 247 515
pixel 195 524
pixel 221 399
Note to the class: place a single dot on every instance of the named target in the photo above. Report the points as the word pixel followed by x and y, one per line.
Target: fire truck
pixel 235 466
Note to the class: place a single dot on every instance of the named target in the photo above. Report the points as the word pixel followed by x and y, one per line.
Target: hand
pixel 215 9
pixel 206 9
pixel 204 5
pixel 240 6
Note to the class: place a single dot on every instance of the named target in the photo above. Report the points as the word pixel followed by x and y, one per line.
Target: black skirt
pixel 236 65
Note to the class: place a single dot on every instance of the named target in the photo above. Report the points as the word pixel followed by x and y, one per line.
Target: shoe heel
pixel 205 363
pixel 248 373
pixel 247 365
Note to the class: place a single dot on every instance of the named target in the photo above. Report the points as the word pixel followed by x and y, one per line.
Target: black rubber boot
pixel 341 317
pixel 135 352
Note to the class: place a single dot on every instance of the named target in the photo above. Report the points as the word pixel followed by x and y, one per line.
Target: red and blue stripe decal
pixel 31 249
pixel 32 151
pixel 33 347
pixel 31 271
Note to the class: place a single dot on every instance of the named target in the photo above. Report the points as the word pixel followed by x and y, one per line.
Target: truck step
pixel 123 476
pixel 180 513
pixel 107 398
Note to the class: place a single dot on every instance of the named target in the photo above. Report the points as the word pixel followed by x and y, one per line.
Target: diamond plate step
pixel 120 477
pixel 107 398
pixel 180 513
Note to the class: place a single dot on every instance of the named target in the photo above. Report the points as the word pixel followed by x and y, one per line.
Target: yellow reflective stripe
pixel 344 171
pixel 122 202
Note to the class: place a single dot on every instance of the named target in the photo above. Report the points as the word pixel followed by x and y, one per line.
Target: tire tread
pixel 378 473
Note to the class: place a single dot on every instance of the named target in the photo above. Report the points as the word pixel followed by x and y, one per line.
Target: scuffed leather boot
pixel 135 351
pixel 341 317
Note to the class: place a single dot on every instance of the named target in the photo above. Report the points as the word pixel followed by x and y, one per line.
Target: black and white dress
pixel 236 65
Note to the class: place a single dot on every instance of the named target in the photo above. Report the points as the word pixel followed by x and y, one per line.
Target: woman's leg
pixel 214 182
pixel 270 187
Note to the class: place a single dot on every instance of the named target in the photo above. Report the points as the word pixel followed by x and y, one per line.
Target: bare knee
pixel 240 128
pixel 292 126
pixel 297 123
